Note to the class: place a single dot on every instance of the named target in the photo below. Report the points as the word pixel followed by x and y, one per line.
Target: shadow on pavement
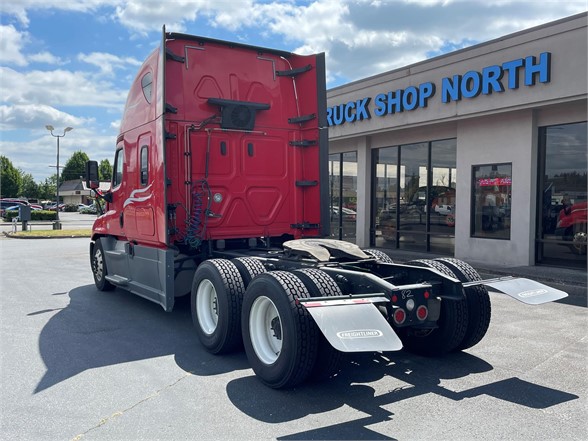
pixel 418 376
pixel 106 328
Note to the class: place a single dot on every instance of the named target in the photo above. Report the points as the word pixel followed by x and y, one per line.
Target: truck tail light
pixel 399 316
pixel 422 312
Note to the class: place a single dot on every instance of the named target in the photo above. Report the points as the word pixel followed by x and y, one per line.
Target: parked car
pixel 52 207
pixel 444 209
pixel 348 214
pixel 571 225
pixel 87 209
pixel 9 203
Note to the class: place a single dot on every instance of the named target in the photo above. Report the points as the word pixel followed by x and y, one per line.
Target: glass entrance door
pixel 561 215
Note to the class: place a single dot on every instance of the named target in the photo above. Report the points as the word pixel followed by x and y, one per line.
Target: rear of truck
pixel 222 146
pixel 244 128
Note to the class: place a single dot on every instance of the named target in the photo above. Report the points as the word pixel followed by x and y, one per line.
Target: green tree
pixel 75 167
pixel 10 179
pixel 105 170
pixel 29 188
pixel 48 190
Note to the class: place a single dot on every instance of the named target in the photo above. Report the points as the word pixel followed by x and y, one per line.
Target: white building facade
pixel 480 153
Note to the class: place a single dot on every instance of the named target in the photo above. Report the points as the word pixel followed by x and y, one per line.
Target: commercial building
pixel 480 153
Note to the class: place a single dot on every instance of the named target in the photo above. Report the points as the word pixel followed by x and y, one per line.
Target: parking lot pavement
pixel 79 364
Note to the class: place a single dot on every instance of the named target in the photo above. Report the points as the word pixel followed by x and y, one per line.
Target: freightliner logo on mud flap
pixel 360 333
pixel 533 293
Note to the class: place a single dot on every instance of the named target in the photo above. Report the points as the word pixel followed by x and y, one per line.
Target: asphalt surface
pixel 79 364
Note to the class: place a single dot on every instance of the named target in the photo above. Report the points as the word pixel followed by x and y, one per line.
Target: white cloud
pixel 58 87
pixel 34 116
pixel 19 8
pixel 115 125
pixel 143 16
pixel 38 156
pixel 46 57
pixel 107 63
pixel 11 45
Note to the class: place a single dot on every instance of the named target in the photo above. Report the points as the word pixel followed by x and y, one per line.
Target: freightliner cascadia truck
pixel 219 191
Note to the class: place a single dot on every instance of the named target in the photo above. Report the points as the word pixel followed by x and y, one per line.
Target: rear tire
pixel 477 299
pixel 248 268
pixel 380 255
pixel 99 270
pixel 320 284
pixel 451 326
pixel 279 335
pixel 217 295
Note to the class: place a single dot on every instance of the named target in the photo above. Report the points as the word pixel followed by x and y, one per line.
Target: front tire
pixel 217 295
pixel 99 270
pixel 279 335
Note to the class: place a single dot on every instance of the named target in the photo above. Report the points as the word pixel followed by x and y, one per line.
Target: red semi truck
pixel 219 192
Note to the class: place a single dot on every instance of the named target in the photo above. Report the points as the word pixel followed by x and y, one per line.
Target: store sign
pixel 494 182
pixel 455 88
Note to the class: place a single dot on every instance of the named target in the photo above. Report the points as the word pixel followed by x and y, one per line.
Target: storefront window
pixel 385 196
pixel 442 196
pixel 414 196
pixel 412 227
pixel 562 218
pixel 491 201
pixel 343 195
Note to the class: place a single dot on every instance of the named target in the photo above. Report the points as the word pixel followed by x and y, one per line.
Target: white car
pixel 444 209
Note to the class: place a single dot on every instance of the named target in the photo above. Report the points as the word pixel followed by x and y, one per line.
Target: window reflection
pixel 343 195
pixel 562 214
pixel 414 209
pixel 491 200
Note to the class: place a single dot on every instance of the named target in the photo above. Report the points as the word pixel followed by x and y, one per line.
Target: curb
pixel 12 236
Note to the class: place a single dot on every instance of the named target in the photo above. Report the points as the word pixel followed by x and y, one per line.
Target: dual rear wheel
pixel 462 323
pixel 282 342
pixel 237 303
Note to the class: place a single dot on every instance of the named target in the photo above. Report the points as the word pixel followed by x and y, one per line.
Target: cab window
pixel 146 85
pixel 117 172
pixel 144 165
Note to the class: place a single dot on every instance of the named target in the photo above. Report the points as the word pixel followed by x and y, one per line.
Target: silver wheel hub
pixel 98 264
pixel 207 307
pixel 265 329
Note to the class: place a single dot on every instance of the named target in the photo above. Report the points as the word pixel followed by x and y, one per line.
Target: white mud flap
pixel 354 325
pixel 524 290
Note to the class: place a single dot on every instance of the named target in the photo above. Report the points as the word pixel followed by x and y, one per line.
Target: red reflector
pixel 422 312
pixel 427 295
pixel 399 316
pixel 394 299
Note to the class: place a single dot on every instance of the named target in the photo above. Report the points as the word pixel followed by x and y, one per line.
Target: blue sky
pixel 70 62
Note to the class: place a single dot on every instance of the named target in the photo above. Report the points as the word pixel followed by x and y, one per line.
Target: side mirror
pixel 92 177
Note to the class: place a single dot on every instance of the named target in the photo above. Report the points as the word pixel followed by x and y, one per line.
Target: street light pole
pixel 67 129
